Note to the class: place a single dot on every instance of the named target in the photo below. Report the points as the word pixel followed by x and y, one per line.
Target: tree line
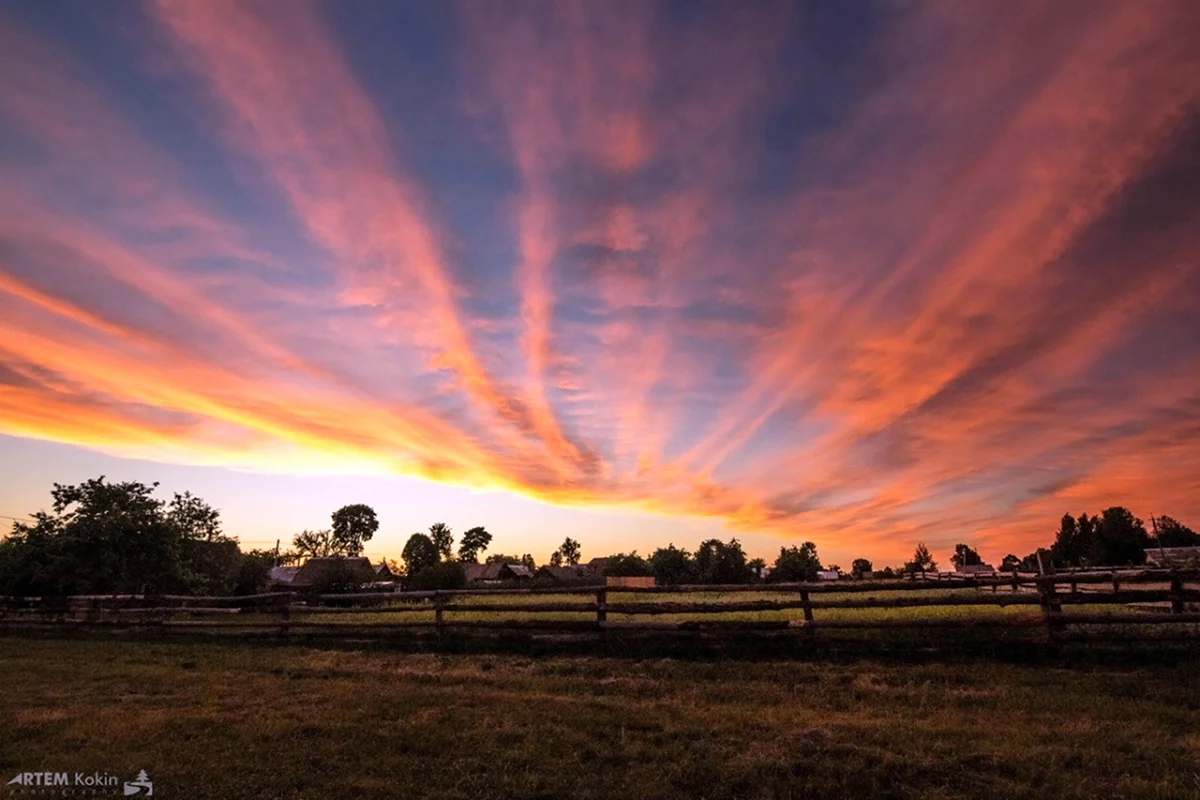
pixel 118 538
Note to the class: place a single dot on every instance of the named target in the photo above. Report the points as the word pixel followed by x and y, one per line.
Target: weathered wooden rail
pixel 442 611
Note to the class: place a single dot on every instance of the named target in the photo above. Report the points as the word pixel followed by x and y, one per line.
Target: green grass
pixel 239 721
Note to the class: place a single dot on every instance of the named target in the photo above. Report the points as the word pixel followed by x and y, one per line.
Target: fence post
pixel 601 606
pixel 285 615
pixel 808 615
pixel 1051 606
pixel 438 603
pixel 1014 580
pixel 1176 594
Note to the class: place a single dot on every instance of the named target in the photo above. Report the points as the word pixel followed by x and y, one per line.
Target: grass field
pixel 241 721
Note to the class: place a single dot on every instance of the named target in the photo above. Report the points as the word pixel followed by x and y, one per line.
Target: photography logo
pixel 79 784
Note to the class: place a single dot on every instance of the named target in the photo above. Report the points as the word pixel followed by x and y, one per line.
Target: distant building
pixel 1173 557
pixel 975 570
pixel 828 575
pixel 597 565
pixel 354 569
pixel 578 575
pixel 638 581
pixel 496 574
pixel 282 576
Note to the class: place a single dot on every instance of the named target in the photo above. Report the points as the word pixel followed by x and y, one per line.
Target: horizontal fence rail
pixel 1149 597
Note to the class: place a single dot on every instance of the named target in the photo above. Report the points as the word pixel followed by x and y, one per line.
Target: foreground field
pixel 239 721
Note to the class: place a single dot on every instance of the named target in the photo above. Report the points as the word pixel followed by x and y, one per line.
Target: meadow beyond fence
pixel 1077 605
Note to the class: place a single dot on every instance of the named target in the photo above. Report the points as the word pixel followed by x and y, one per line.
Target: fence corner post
pixel 1176 594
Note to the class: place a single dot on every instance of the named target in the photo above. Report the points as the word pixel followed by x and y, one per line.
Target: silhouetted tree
pixel 569 552
pixel 419 554
pixel 922 560
pixel 860 567
pixel 101 538
pixel 473 542
pixel 1121 538
pixel 194 518
pixel 672 565
pixel 796 564
pixel 442 538
pixel 315 544
pixel 964 556
pixel 1010 563
pixel 353 525
pixel 627 565
pixel 721 562
pixel 1169 532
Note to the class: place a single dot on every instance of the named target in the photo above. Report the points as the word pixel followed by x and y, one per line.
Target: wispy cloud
pixel 928 274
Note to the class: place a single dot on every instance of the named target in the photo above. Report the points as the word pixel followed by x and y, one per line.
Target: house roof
pixel 282 574
pixel 315 569
pixel 828 574
pixel 1161 555
pixel 975 569
pixel 520 570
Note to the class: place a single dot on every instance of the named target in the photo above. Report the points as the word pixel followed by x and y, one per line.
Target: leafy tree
pixel 474 542
pixel 501 558
pixel 1010 563
pixel 886 572
pixel 628 565
pixel 672 565
pixel 556 559
pixel 442 538
pixel 721 562
pixel 964 556
pixel 570 551
pixel 316 544
pixel 254 572
pixel 353 525
pixel 1075 543
pixel 860 567
pixel 796 564
pixel 419 554
pixel 756 567
pixel 527 561
pixel 101 538
pixel 922 561
pixel 1169 532
pixel 194 518
pixel 1121 538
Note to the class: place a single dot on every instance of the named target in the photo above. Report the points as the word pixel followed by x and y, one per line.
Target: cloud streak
pixel 925 275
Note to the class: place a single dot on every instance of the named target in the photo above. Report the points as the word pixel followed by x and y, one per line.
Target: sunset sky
pixel 861 273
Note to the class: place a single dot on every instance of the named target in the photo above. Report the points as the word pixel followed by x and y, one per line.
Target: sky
pixel 860 273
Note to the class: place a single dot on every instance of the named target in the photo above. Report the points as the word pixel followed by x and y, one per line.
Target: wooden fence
pixel 460 610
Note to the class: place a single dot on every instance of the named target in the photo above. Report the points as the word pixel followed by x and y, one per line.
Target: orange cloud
pixel 935 281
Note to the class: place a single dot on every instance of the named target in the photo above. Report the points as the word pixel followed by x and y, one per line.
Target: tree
pixel 194 518
pixel 556 559
pixel 627 565
pixel 756 567
pixel 964 556
pixel 442 538
pixel 419 554
pixel 353 525
pixel 721 562
pixel 1010 563
pixel 254 572
pixel 474 542
pixel 922 561
pixel 102 538
pixel 796 564
pixel 315 544
pixel 570 551
pixel 1121 538
pixel 860 567
pixel 1172 533
pixel 672 565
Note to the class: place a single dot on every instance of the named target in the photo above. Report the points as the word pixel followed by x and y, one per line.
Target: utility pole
pixel 277 552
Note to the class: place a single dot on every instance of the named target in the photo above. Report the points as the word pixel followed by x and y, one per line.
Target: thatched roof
pixel 316 570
